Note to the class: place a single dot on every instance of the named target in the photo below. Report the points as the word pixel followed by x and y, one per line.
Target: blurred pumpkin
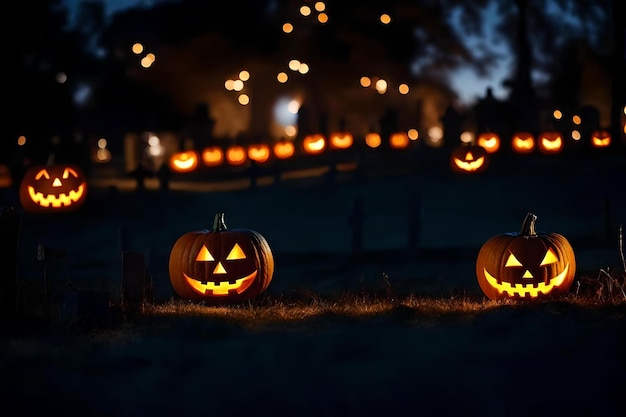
pixel 185 161
pixel 489 140
pixel 526 265
pixel 259 152
pixel 212 156
pixel 53 188
pixel 314 143
pixel 284 149
pixel 373 140
pixel 550 141
pixel 236 155
pixel 6 180
pixel 523 142
pixel 600 138
pixel 399 140
pixel 221 264
pixel 340 140
pixel 469 159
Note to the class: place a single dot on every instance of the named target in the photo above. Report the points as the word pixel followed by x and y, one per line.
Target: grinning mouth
pixel 524 290
pixel 58 200
pixel 221 287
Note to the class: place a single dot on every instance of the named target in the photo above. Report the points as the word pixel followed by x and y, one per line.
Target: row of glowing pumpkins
pixel 548 142
pixel 224 265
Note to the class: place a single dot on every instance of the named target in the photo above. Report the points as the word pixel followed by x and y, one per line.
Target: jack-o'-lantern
pixel 212 156
pixel 469 159
pixel 185 161
pixel 550 141
pixel 259 152
pixel 373 140
pixel 340 140
pixel 399 140
pixel 54 188
pixel 284 149
pixel 523 142
pixel 220 265
pixel 314 143
pixel 489 140
pixel 526 265
pixel 236 155
pixel 600 138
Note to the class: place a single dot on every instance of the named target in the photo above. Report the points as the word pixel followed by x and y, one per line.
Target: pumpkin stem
pixel 528 226
pixel 218 223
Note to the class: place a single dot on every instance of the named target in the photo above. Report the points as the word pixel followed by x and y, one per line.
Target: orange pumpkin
pixel 221 265
pixel 523 142
pixel 489 140
pixel 259 152
pixel 54 188
pixel 526 265
pixel 340 140
pixel 186 161
pixel 284 149
pixel 399 140
pixel 550 142
pixel 600 138
pixel 212 156
pixel 314 143
pixel 236 155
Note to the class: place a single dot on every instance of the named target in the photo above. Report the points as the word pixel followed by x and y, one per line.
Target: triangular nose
pixel 527 274
pixel 56 182
pixel 219 269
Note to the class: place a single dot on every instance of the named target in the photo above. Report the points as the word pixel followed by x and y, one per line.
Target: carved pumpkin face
pixel 469 159
pixel 55 188
pixel 220 265
pixel 550 142
pixel 489 140
pixel 600 138
pixel 341 140
pixel 523 142
pixel 259 152
pixel 526 265
pixel 185 161
pixel 314 144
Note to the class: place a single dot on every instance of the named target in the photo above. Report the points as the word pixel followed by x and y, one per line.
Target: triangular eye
pixel 512 261
pixel 236 253
pixel 42 173
pixel 550 258
pixel 67 172
pixel 204 255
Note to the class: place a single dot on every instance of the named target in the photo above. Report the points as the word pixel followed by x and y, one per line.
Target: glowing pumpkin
pixel 185 161
pixel 220 265
pixel 600 138
pixel 236 155
pixel 259 152
pixel 526 265
pixel 314 143
pixel 284 149
pixel 54 188
pixel 550 142
pixel 212 156
pixel 6 180
pixel 469 159
pixel 489 140
pixel 399 140
pixel 340 140
pixel 373 140
pixel 523 142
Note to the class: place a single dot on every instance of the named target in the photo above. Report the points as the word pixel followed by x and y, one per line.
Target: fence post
pixel 136 285
pixel 10 225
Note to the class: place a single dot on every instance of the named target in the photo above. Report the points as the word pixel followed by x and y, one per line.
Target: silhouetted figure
pixel 488 115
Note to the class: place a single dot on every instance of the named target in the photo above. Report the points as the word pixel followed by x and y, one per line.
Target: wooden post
pixel 10 224
pixel 136 286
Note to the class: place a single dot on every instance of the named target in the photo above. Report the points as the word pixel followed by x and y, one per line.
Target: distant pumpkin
pixel 523 142
pixel 526 265
pixel 489 140
pixel 54 188
pixel 469 159
pixel 550 142
pixel 221 265
pixel 185 161
pixel 600 138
